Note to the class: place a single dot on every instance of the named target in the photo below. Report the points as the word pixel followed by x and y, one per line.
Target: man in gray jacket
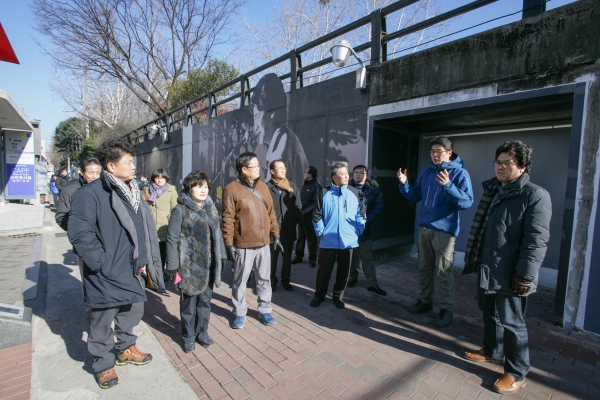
pixel 507 244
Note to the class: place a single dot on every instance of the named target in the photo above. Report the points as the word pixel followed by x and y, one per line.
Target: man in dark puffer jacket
pixel 507 244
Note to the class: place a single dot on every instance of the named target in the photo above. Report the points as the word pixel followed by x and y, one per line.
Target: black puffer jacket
pixel 63 207
pixel 516 235
pixel 308 198
pixel 113 241
pixel 288 209
pixel 62 181
pixel 371 196
pixel 188 240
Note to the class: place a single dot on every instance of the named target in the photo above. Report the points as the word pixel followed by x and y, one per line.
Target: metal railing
pixel 184 114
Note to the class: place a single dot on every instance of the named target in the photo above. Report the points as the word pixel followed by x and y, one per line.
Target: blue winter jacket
pixel 440 204
pixel 339 217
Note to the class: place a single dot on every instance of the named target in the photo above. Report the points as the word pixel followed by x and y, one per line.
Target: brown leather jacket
pixel 247 223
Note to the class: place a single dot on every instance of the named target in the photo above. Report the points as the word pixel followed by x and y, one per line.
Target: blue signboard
pixel 20 165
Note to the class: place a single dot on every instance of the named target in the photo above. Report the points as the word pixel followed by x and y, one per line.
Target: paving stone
pixel 241 376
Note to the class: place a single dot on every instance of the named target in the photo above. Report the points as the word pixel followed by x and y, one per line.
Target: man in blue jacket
pixel 506 247
pixel 339 219
pixel 443 189
pixel 362 256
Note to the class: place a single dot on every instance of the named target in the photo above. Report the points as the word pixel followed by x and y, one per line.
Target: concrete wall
pixel 555 49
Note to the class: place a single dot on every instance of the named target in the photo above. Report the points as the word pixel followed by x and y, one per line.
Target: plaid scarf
pixel 130 192
pixel 474 252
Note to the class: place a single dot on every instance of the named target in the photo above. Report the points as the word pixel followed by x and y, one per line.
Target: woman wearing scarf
pixel 162 198
pixel 196 251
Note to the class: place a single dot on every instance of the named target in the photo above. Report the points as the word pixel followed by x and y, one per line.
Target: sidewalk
pixel 373 349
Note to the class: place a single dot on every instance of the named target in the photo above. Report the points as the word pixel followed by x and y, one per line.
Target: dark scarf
pixel 157 191
pixel 130 192
pixel 474 252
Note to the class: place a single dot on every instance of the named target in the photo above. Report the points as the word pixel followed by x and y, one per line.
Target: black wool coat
pixel 188 243
pixel 63 206
pixel 111 245
pixel 288 209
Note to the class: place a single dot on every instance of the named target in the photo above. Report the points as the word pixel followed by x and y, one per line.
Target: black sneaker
pixel 312 264
pixel 188 348
pixel 339 303
pixel 297 260
pixel 315 302
pixel 208 343
pixel 377 290
pixel 352 282
pixel 287 286
pixel 444 318
pixel 419 307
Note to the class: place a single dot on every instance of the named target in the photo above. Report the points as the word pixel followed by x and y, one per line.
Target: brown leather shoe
pixel 507 384
pixel 107 379
pixel 479 356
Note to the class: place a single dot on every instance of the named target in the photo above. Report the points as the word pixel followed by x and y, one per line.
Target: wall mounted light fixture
pixel 340 52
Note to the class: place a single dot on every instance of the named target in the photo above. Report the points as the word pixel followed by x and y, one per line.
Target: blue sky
pixel 28 83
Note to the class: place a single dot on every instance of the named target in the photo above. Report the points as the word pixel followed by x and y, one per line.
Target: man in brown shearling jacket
pixel 249 222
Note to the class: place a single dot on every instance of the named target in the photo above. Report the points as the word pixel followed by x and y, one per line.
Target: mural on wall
pixel 314 138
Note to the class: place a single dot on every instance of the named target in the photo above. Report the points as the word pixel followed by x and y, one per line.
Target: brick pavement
pixel 15 372
pixel 373 349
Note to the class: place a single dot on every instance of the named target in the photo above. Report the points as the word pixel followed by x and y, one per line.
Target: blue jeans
pixel 505 333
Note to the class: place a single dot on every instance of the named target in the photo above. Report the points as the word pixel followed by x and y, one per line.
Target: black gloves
pixel 169 274
pixel 232 254
pixel 277 245
pixel 520 286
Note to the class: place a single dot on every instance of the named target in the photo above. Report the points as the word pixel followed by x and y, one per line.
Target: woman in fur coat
pixel 196 251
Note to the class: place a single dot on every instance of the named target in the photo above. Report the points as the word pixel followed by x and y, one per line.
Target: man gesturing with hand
pixel 443 189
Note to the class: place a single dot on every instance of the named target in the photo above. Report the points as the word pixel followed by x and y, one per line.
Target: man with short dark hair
pixel 90 171
pixel 339 219
pixel 306 231
pixel 287 205
pixel 114 233
pixel 373 203
pixel 444 188
pixel 506 247
pixel 249 223
pixel 62 180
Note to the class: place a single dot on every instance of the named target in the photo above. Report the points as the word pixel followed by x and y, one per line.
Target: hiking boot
pixel 107 379
pixel 444 318
pixel 338 302
pixel 352 282
pixel 479 356
pixel 266 319
pixel 132 356
pixel 419 307
pixel 297 260
pixel 238 322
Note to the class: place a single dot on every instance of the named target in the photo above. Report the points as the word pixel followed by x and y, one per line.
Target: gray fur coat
pixel 188 244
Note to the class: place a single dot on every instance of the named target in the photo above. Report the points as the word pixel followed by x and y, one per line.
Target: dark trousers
pixel 195 315
pixel 306 233
pixel 162 247
pixel 101 340
pixel 327 259
pixel 505 332
pixel 55 198
pixel 286 265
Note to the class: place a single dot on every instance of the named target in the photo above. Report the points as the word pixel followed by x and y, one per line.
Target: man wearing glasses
pixel 507 244
pixel 373 203
pixel 249 222
pixel 443 189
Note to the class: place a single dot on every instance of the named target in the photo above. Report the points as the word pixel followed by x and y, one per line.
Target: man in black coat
pixel 113 232
pixel 306 230
pixel 362 256
pixel 506 246
pixel 288 208
pixel 62 180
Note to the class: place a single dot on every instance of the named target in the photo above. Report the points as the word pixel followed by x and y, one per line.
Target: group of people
pixel 122 234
